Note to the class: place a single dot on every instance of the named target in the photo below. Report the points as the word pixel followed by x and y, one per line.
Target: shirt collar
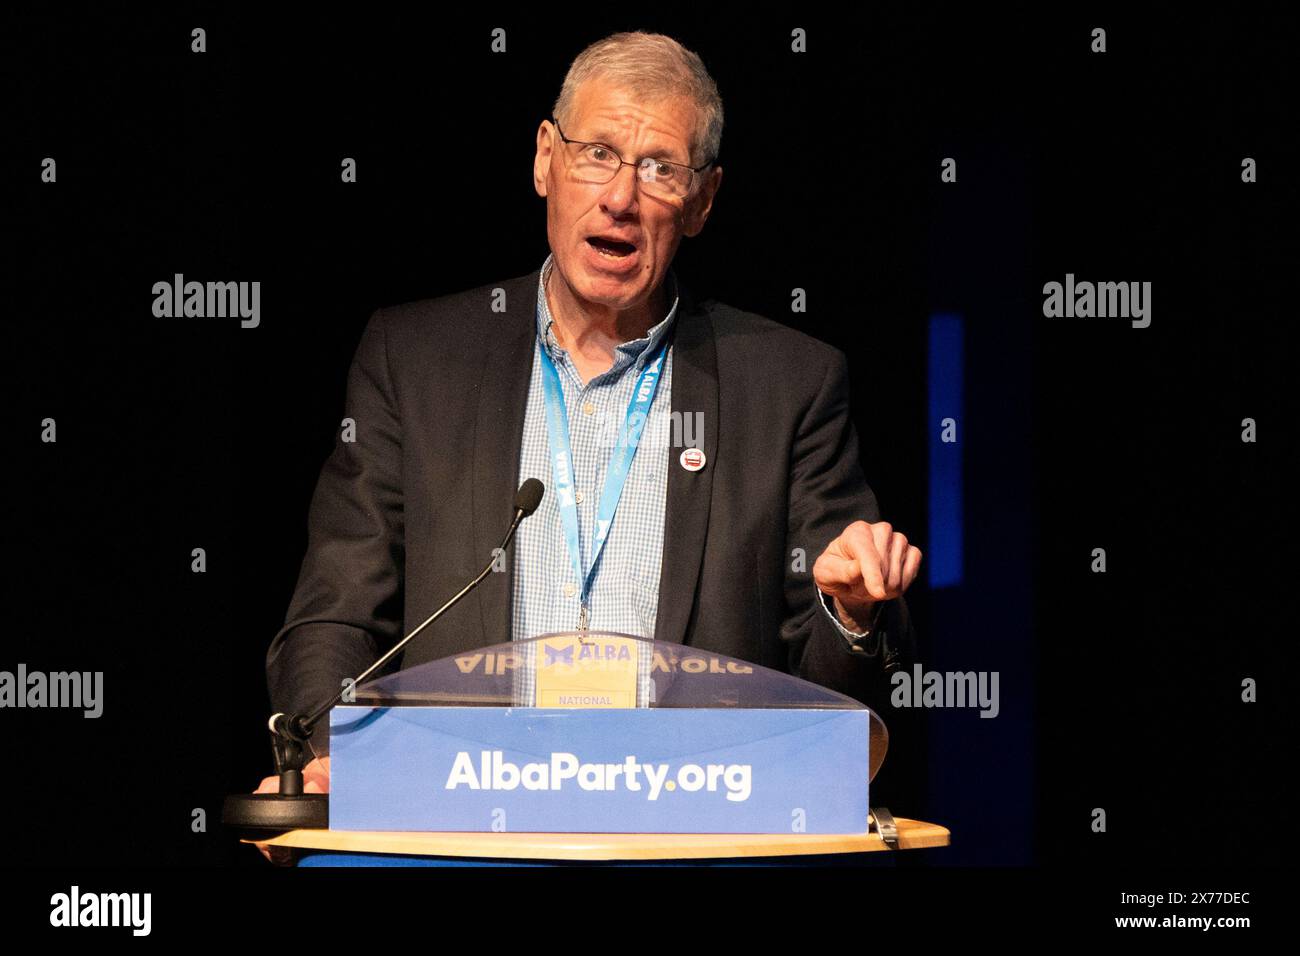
pixel 629 353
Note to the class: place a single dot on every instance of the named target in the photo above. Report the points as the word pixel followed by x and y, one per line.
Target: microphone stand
pixel 258 814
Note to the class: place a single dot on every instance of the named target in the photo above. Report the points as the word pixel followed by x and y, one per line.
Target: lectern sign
pixel 628 770
pixel 580 672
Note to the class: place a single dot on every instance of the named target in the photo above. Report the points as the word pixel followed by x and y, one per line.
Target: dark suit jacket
pixel 408 513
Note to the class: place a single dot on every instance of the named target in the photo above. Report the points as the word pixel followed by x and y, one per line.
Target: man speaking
pixel 706 540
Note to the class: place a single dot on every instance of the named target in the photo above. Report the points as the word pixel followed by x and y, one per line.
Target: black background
pixel 1119 691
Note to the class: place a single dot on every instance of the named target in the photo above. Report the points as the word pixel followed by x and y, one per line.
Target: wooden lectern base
pixel 912 835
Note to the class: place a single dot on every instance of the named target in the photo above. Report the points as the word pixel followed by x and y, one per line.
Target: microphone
pixel 258 814
pixel 529 496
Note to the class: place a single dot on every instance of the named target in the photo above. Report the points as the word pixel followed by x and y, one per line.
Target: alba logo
pixel 651 376
pixel 589 651
pixel 496 773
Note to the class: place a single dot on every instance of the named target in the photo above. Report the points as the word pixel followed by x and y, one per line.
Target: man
pixel 457 400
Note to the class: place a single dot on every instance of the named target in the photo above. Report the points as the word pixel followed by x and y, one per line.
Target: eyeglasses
pixel 598 163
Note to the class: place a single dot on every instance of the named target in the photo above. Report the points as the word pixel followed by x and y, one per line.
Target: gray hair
pixel 652 66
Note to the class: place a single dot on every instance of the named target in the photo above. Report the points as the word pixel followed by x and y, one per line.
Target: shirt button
pixel 577 496
pixel 588 408
pixel 569 590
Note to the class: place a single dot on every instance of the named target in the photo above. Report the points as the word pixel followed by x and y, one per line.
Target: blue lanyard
pixel 620 463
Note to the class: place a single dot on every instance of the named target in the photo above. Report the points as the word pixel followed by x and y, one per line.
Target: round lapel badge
pixel 692 459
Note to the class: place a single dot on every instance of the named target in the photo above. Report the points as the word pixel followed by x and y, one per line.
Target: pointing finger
pixel 911 565
pixel 860 541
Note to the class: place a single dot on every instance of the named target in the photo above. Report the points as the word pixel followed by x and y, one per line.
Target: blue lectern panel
pixel 592 770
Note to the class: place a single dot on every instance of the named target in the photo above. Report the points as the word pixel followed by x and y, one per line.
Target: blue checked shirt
pixel 625 586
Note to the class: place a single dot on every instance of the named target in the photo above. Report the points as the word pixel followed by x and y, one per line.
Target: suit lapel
pixel 498 439
pixel 686 509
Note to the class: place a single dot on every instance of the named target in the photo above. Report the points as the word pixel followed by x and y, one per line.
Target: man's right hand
pixel 315 779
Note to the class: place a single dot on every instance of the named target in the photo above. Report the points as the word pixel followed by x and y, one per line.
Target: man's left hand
pixel 866 564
